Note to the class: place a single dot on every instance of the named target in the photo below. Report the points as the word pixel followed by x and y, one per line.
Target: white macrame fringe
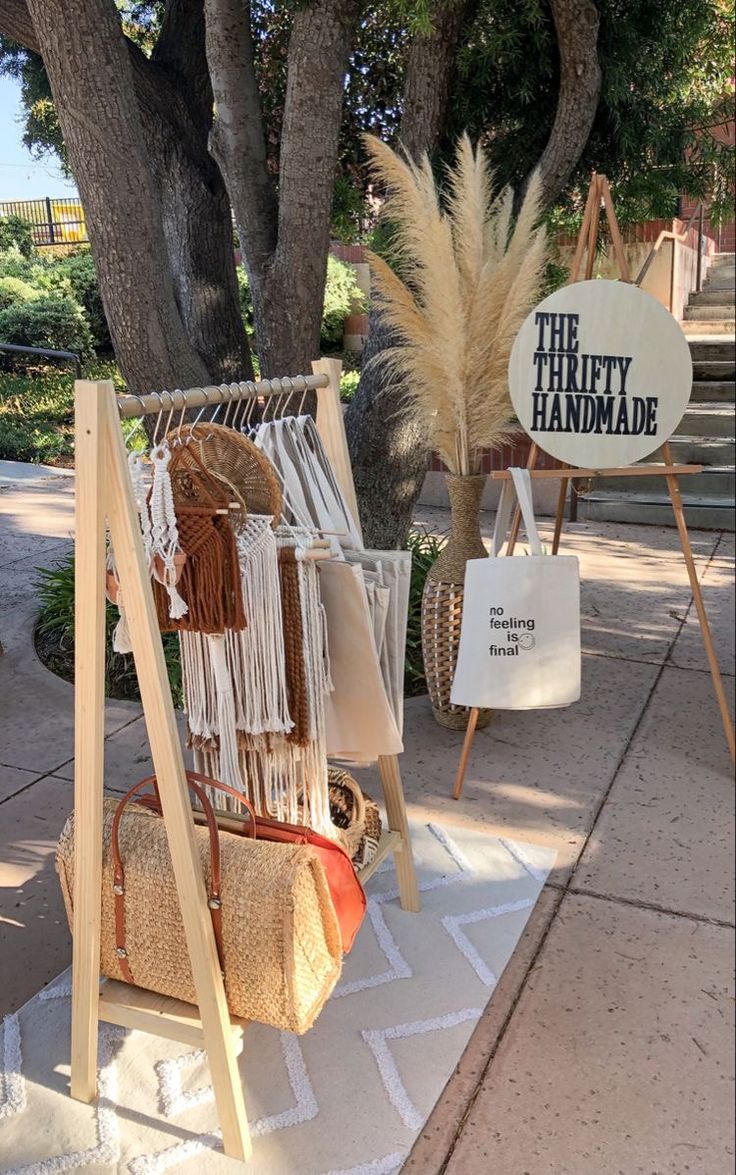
pixel 164 530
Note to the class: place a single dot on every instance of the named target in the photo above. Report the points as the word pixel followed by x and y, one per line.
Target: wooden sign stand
pixel 599 196
pixel 104 497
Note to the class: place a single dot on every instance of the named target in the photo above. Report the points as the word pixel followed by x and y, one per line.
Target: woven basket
pixel 356 815
pixel 235 460
pixel 281 939
pixel 442 601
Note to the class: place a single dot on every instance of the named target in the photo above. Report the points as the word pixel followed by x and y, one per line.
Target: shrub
pixel 47 321
pixel 343 296
pixel 76 274
pixel 14 230
pixel 349 381
pixel 55 636
pixel 15 289
pixel 425 548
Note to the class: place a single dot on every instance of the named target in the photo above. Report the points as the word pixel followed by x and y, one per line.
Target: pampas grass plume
pixel 468 279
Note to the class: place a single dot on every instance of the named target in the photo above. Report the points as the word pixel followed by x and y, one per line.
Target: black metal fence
pixel 53 222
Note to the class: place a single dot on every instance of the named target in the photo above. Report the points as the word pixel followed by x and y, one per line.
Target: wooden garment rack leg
pixel 103 490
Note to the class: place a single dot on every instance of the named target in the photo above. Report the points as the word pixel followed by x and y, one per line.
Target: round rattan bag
pixel 356 815
pixel 240 465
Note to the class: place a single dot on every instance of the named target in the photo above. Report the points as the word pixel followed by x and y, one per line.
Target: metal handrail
pixel 668 235
pixel 46 353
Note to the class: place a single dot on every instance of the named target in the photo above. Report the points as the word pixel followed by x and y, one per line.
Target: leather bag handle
pixel 153 803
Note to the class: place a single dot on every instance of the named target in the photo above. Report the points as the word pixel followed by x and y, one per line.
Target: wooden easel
pixel 599 196
pixel 104 497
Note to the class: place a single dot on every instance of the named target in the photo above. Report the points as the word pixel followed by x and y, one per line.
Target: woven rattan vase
pixel 442 601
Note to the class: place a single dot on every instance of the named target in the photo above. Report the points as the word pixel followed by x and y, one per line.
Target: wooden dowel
pixel 560 515
pixel 178 400
pixel 619 250
pixel 710 651
pixel 465 754
pixel 620 471
pixel 583 234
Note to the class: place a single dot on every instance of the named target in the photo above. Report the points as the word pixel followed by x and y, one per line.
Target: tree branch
pixel 428 72
pixel 576 25
pixel 237 139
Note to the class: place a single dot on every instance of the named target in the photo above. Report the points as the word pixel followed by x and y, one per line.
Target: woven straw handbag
pixel 273 914
pixel 355 815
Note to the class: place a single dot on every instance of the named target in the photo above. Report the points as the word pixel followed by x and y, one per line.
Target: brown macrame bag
pixel 210 576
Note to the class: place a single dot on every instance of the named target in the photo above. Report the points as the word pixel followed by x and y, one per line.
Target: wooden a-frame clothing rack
pixel 104 498
pixel 599 196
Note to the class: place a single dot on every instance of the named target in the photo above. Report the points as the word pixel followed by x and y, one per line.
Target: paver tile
pixel 619 1057
pixel 665 835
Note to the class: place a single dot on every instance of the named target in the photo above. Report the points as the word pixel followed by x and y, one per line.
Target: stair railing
pixel 677 239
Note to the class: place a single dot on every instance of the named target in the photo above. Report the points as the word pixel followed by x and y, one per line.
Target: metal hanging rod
pixel 156 402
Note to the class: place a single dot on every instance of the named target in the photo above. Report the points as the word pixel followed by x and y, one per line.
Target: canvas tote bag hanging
pixel 520 637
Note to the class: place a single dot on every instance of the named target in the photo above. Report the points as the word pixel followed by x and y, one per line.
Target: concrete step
pixel 713 350
pixel 713 369
pixel 723 258
pixel 710 390
pixel 708 419
pixel 701 512
pixel 712 296
pixel 713 482
pixel 712 451
pixel 720 280
pixel 708 326
pixel 711 313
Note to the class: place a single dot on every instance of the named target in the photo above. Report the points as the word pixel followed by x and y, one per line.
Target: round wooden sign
pixel 600 374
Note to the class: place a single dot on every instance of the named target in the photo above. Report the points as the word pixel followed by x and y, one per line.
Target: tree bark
pixel 175 103
pixel 195 209
pixel 576 25
pixel 102 130
pixel 388 451
pixel 286 239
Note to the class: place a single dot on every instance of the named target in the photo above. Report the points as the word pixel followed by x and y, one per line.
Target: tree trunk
pixel 576 25
pixel 388 451
pixel 285 241
pixel 102 129
pixel 429 69
pixel 196 214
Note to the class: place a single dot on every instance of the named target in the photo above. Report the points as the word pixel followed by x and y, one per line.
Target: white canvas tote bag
pixel 520 636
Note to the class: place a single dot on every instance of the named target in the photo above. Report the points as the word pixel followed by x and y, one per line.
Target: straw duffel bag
pixel 275 925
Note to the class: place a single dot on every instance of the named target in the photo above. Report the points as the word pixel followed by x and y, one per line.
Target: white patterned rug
pixel 348 1098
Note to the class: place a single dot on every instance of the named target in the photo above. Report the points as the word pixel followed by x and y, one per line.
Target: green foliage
pixel 55 636
pixel 77 271
pixel 71 276
pixel 14 289
pixel 424 547
pixel 349 381
pixel 14 230
pixel 47 321
pixel 343 296
pixel 37 415
pixel 246 299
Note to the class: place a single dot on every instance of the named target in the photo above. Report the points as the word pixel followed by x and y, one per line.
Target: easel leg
pixel 465 754
pixel 89 733
pixel 393 794
pixel 715 672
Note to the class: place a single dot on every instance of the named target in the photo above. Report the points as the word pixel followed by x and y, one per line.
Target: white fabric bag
pixel 520 636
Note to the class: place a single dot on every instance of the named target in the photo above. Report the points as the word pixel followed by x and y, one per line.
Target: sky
pixel 21 176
